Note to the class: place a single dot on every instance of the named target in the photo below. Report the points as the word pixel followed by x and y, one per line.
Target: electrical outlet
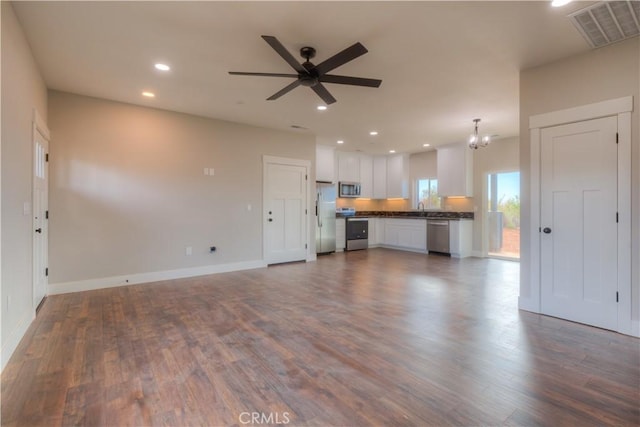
pixel 188 251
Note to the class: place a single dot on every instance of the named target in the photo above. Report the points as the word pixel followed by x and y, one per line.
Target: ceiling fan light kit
pixel 313 76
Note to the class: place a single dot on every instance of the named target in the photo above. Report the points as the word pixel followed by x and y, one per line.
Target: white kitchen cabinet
pixel 398 176
pixel 379 177
pixel 373 226
pixel 376 232
pixel 407 234
pixel 340 234
pixel 380 231
pixel 325 163
pixel 348 166
pixel 366 176
pixel 455 170
pixel 461 238
pixel 356 167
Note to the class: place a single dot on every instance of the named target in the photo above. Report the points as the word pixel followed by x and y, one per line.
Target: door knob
pixel 38 230
pixel 546 230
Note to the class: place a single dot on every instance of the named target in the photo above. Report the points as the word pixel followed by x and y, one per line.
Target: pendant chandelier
pixel 475 140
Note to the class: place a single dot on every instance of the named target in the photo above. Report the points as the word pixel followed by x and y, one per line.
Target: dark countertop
pixel 415 214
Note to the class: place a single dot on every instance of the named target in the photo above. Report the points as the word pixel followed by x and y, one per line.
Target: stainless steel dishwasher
pixel 438 236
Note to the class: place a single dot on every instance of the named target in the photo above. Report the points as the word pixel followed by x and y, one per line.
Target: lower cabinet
pixel 408 234
pixel 376 232
pixel 461 238
pixel 340 234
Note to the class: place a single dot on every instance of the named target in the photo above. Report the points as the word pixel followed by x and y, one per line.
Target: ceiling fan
pixel 313 76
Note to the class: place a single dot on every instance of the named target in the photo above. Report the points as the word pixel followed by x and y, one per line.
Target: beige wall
pixel 22 90
pixel 598 75
pixel 128 193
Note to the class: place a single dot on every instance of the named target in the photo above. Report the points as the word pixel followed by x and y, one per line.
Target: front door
pixel 579 222
pixel 40 217
pixel 285 218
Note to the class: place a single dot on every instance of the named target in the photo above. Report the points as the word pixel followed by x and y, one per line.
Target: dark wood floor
pixel 374 337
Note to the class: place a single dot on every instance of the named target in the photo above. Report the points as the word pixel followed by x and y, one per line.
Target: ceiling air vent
pixel 608 22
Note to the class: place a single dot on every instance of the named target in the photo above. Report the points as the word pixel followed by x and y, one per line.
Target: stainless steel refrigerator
pixel 325 218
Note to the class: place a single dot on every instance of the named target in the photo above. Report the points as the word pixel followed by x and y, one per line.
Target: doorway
pixel 503 215
pixel 579 219
pixel 285 231
pixel 40 211
pixel 579 202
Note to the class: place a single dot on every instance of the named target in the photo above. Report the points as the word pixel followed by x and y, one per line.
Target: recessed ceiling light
pixel 162 67
pixel 426 145
pixel 373 133
pixel 149 94
pixel 321 107
pixel 339 141
pixel 559 3
pixel 392 151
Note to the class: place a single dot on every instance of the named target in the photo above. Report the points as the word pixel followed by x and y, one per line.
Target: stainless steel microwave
pixel 348 189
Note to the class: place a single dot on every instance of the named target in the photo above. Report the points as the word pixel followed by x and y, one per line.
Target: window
pixel 427 193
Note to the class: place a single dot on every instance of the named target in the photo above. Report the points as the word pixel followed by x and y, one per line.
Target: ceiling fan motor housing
pixel 307 52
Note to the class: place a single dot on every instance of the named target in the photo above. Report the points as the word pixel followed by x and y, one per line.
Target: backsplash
pixel 454 204
pixel 458 204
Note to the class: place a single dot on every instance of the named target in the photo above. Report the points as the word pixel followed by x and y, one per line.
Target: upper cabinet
pixel 398 176
pixel 348 166
pixel 366 176
pixel 379 177
pixel 325 163
pixel 356 167
pixel 455 171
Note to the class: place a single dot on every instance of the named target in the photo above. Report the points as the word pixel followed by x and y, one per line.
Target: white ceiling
pixel 442 64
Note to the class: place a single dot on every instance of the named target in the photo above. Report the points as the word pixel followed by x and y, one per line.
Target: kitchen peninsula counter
pixel 450 215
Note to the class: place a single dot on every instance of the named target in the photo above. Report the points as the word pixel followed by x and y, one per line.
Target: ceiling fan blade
pixel 347 80
pixel 323 93
pixel 284 53
pixel 281 92
pixel 241 73
pixel 341 58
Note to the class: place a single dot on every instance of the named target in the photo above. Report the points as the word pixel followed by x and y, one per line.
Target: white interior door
pixel 285 218
pixel 40 217
pixel 579 222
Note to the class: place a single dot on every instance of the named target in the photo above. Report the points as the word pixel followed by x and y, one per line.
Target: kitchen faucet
pixel 421 203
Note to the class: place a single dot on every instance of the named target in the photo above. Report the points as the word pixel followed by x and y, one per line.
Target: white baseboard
pixel 402 248
pixel 478 254
pixel 312 257
pixel 527 304
pixel 635 328
pixel 14 338
pixel 156 276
